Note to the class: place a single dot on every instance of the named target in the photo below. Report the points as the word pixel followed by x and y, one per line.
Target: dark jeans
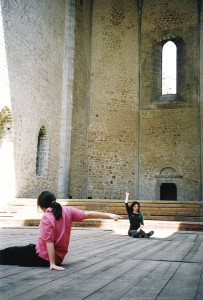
pixel 22 256
pixel 135 234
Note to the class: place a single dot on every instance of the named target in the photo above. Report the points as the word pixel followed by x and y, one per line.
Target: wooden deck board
pixel 104 265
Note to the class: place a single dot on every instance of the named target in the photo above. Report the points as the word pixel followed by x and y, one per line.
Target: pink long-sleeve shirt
pixel 57 231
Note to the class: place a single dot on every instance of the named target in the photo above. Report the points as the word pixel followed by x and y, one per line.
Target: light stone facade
pixel 33 39
pixel 81 108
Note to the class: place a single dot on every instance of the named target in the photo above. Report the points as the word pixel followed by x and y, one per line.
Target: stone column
pixel 66 109
pixel 201 98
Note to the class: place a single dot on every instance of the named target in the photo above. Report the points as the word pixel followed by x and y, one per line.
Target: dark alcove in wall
pixel 168 191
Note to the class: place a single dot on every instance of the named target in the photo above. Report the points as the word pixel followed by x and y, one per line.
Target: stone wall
pixel 33 32
pixel 67 100
pixel 166 142
pixel 134 135
pixel 113 120
pixel 169 129
pixel 81 95
pixel 201 93
pixel 81 108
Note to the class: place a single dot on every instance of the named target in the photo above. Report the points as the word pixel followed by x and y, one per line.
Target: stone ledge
pixel 121 225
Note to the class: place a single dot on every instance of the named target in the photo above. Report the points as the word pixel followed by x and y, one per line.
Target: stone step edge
pixel 110 224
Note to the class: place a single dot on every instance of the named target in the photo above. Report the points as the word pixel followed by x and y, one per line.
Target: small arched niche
pixel 167 184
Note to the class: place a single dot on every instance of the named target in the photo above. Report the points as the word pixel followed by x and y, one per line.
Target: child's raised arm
pixel 126 197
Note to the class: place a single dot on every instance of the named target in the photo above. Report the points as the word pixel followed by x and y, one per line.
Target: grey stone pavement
pixel 102 264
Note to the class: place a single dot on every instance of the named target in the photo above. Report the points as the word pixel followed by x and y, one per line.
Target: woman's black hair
pixel 133 204
pixel 47 199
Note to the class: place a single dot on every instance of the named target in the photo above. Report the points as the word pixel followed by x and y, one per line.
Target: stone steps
pixel 182 215
pixel 152 210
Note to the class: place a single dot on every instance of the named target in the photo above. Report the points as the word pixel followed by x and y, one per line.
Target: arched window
pixel 169 68
pixel 42 153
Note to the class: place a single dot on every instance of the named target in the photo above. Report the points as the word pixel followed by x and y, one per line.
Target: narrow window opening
pixel 169 68
pixel 168 191
pixel 42 153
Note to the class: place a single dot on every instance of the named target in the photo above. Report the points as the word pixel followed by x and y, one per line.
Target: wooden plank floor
pixel 104 265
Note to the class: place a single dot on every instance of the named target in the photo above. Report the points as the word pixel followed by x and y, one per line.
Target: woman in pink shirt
pixel 55 230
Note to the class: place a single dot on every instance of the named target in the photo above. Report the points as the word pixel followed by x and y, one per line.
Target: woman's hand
pixel 51 253
pixel 55 267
